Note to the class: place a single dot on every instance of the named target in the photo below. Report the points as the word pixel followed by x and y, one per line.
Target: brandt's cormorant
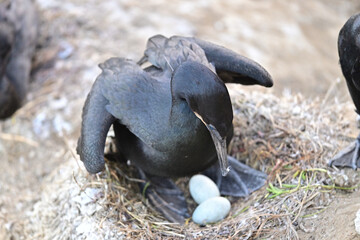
pixel 172 118
pixel 18 32
pixel 349 54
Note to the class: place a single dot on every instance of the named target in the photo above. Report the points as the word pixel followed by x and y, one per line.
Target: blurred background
pixel 296 41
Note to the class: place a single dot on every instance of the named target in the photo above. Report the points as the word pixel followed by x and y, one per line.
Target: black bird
pixel 18 33
pixel 349 54
pixel 172 118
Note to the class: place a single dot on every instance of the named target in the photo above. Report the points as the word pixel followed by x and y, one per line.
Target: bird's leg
pixel 348 157
pixel 240 181
pixel 165 196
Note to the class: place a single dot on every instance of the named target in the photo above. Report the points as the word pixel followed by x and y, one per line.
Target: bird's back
pixel 168 53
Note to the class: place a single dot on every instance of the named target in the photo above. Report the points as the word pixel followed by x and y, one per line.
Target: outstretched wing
pixel 232 67
pixel 122 92
pixel 169 53
pixel 134 97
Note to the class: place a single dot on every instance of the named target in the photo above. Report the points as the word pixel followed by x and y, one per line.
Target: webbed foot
pixel 165 196
pixel 348 157
pixel 240 181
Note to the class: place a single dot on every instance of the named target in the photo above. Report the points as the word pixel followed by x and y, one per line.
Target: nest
pixel 290 138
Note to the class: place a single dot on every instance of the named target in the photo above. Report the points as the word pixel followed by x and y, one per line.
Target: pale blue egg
pixel 202 188
pixel 211 210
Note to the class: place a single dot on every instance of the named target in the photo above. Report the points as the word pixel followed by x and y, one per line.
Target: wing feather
pixel 135 98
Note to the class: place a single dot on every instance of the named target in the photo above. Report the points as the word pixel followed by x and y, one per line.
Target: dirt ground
pixel 295 41
pixel 336 222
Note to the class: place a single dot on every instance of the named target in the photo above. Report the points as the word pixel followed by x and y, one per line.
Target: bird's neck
pixel 181 115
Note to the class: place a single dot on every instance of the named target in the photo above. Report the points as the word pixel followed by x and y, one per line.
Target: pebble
pixel 202 188
pixel 345 178
pixel 211 211
pixel 357 222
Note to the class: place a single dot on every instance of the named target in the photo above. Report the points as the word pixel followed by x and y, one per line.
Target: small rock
pixel 90 210
pixel 345 178
pixel 296 110
pixel 357 222
pixel 202 188
pixel 66 51
pixel 211 211
pixel 83 227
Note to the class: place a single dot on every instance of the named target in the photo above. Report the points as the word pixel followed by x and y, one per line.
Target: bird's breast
pixel 187 148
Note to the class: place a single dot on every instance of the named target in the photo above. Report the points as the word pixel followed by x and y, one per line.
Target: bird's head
pixel 209 100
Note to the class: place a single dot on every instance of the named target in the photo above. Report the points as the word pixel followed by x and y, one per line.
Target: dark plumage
pixel 18 31
pixel 349 54
pixel 169 117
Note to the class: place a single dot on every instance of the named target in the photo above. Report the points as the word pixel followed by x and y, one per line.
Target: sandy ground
pixel 337 222
pixel 295 41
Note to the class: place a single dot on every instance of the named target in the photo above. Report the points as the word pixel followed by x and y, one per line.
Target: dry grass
pixel 289 138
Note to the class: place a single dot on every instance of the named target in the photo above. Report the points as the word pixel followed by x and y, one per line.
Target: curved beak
pixel 221 150
pixel 220 146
